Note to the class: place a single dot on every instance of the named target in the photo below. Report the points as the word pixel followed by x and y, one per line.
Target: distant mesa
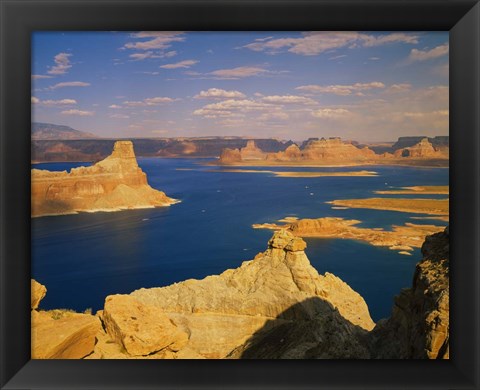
pixel 50 131
pixel 249 152
pixel 115 183
pixel 333 151
pixel 276 306
pixel 423 149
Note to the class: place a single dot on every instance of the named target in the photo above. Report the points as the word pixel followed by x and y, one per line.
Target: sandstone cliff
pixel 60 334
pixel 115 183
pixel 334 151
pixel 248 153
pixel 211 318
pixel 419 325
pixel 423 149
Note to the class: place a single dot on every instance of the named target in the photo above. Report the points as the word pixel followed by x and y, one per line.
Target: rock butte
pixel 400 238
pixel 274 306
pixel 334 151
pixel 115 183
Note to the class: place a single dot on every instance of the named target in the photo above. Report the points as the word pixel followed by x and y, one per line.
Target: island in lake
pixel 115 183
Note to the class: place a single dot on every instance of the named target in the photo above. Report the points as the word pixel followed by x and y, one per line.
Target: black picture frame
pixel 18 18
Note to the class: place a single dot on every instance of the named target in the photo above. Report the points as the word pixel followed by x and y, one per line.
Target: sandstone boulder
pixel 37 293
pixel 141 329
pixel 60 334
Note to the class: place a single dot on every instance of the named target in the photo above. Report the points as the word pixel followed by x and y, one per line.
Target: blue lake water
pixel 83 258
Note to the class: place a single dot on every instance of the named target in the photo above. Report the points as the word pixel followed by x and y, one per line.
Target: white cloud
pixel 216 93
pixel 40 76
pixel 119 116
pixel 143 56
pixel 400 87
pixel 78 112
pixel 240 72
pixel 330 113
pixel 70 84
pixel 156 40
pixel 279 115
pixel 181 64
pixel 53 103
pixel 155 101
pixel 233 108
pixel 115 106
pixel 314 43
pixel 337 57
pixel 378 40
pixel 62 102
pixel 424 55
pixel 62 64
pixel 342 90
pixel 288 99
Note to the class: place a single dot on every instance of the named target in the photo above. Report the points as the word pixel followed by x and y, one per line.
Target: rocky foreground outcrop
pixel 115 183
pixel 60 334
pixel 274 306
pixel 419 325
pixel 211 318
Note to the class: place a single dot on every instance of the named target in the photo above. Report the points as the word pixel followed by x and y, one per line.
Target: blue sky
pixel 366 86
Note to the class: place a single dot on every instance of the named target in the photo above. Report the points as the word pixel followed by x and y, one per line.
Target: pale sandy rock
pixel 400 238
pixel 115 183
pixel 229 156
pixel 252 152
pixel 37 293
pixel 140 328
pixel 63 335
pixel 222 312
pixel 423 149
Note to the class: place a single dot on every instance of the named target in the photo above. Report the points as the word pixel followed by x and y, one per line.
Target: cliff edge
pixel 419 325
pixel 115 183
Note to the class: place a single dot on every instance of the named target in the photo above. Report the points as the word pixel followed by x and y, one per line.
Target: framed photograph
pixel 276 185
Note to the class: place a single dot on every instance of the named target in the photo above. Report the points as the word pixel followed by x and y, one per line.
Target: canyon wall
pixel 334 151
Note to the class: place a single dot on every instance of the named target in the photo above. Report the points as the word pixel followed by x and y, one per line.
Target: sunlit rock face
pixel 60 334
pixel 221 313
pixel 115 183
pixel 419 325
pixel 423 149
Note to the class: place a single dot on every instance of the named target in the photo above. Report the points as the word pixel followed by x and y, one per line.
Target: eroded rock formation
pixel 222 312
pixel 400 238
pixel 60 334
pixel 423 149
pixel 115 183
pixel 250 152
pixel 334 151
pixel 419 325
